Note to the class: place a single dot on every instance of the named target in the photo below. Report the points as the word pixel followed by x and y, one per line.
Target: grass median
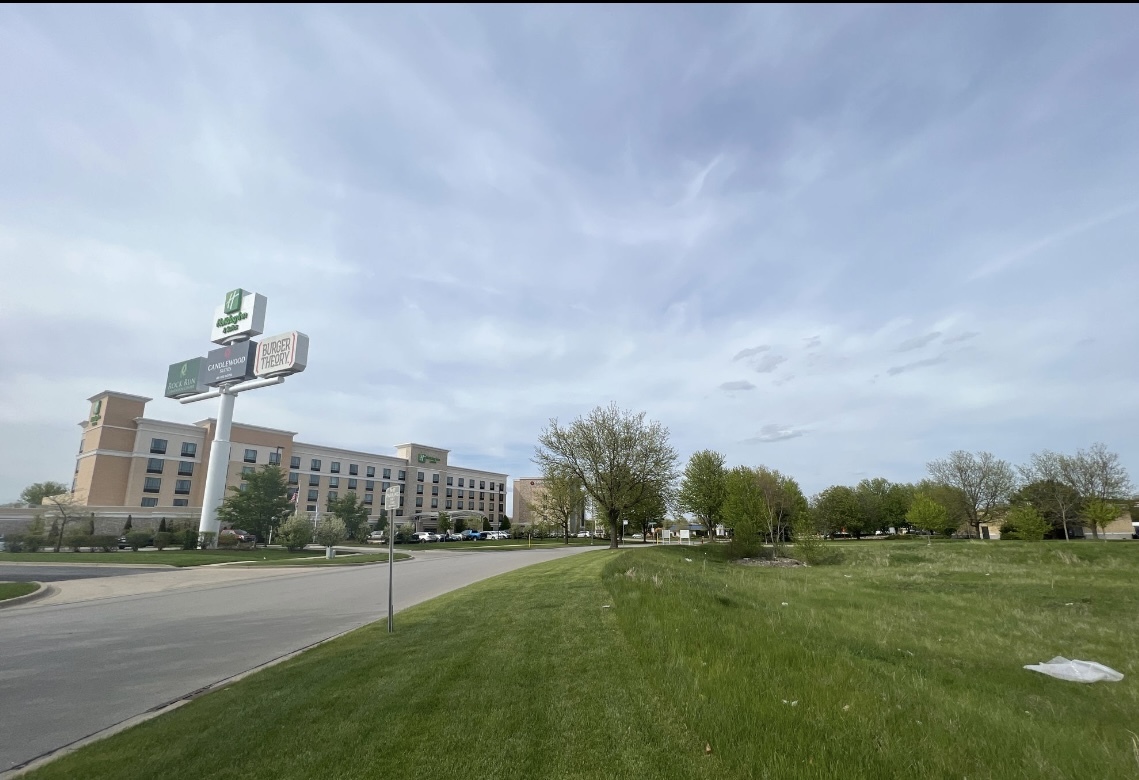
pixel 157 557
pixel 12 590
pixel 902 661
pixel 341 559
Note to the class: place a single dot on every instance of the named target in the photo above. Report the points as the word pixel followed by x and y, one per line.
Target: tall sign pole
pixel 391 504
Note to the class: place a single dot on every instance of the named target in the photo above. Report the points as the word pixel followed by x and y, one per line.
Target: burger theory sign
pixel 281 355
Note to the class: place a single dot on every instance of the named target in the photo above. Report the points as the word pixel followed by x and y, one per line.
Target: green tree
pixel 330 531
pixel 703 488
pixel 444 524
pixel 1027 522
pixel 646 514
pixel 884 503
pixel 619 458
pixel 1056 502
pixel 486 524
pixel 926 514
pixel 839 508
pixel 1099 514
pixel 259 504
pixel 62 509
pixel 558 502
pixel 742 509
pixel 761 501
pixel 296 532
pixel 35 493
pixel 460 524
pixel 128 525
pixel 504 523
pixel 984 482
pixel 1097 475
pixel 353 512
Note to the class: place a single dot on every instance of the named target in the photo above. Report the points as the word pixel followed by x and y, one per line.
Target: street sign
pixel 241 316
pixel 230 364
pixel 286 353
pixel 391 501
pixel 185 378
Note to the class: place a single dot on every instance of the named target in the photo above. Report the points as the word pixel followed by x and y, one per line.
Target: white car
pixel 583 534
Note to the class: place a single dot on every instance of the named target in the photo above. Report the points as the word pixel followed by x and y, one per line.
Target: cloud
pixel 772 433
pixel 737 385
pixel 768 363
pixel 969 334
pixel 917 342
pixel 895 370
pixel 743 353
pixel 812 342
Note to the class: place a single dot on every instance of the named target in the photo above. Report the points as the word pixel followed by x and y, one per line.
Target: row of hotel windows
pixel 158 447
pixel 314 495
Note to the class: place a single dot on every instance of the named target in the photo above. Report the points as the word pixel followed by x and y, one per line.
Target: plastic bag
pixel 1076 671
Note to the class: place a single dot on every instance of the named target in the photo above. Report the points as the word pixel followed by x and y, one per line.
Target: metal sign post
pixel 391 504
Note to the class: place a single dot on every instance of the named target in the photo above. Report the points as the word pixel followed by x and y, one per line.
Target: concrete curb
pixel 43 591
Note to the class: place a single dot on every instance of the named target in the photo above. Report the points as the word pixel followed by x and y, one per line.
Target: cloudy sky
pixel 840 242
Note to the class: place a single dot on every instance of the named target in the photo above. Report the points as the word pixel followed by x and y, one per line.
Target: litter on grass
pixel 1076 671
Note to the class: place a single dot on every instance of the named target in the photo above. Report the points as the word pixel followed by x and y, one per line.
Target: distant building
pixel 128 461
pixel 527 493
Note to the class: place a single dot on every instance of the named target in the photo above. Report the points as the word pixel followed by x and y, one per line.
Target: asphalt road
pixel 49 573
pixel 70 670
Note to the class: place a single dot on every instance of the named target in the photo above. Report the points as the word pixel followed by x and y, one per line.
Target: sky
pixel 840 242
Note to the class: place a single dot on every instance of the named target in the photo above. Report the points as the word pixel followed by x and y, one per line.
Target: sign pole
pixel 391 505
pixel 218 468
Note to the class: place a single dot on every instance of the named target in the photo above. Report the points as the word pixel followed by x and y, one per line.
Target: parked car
pixel 422 536
pixel 470 535
pixel 583 534
pixel 454 537
pixel 243 537
pixel 377 536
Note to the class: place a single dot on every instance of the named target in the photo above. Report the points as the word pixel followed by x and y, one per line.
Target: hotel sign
pixel 280 355
pixel 424 458
pixel 230 364
pixel 241 316
pixel 185 378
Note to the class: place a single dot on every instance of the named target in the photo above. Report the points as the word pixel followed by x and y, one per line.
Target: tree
pixel 444 523
pixel 1026 522
pixel 504 523
pixel 127 525
pixel 1099 515
pixel 926 514
pixel 1097 475
pixel 353 512
pixel 162 526
pixel 619 458
pixel 985 482
pixel 838 508
pixel 884 504
pixel 1043 490
pixel 296 532
pixel 261 506
pixel 645 515
pixel 742 509
pixel 558 502
pixel 35 493
pixel 63 510
pixel 460 524
pixel 330 531
pixel 761 500
pixel 703 486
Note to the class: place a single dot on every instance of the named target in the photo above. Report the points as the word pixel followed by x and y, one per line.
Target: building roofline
pixel 424 446
pixel 326 448
pixel 170 423
pixel 117 394
pixel 236 424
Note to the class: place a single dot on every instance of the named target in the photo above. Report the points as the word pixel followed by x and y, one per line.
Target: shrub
pixel 163 539
pixel 76 539
pixel 104 542
pixel 330 531
pixel 189 538
pixel 15 543
pixel 295 532
pixel 205 539
pixel 136 539
pixel 227 540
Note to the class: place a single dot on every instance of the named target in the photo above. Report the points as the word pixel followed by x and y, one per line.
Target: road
pixel 48 573
pixel 78 664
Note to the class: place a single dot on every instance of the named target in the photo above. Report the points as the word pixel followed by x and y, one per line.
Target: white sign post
pixel 391 504
pixel 237 320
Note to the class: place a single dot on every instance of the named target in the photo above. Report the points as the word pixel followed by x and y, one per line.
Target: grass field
pixel 902 661
pixel 165 557
pixel 341 559
pixel 11 590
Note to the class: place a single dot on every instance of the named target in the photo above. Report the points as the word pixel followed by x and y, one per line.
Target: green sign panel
pixel 184 378
pixel 232 301
pixel 423 458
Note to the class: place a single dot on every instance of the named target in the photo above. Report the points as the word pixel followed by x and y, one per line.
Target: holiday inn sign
pixel 241 316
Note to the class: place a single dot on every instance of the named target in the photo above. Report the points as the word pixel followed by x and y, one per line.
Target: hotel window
pixel 402 474
pixel 243 486
pixel 386 485
pixel 419 490
pixel 275 458
pixel 294 478
pixel 450 480
pixel 434 503
pixel 186 468
pixel 313 495
pixel 332 495
pixel 314 464
pixel 448 492
pixel 371 471
pixel 369 484
pixel 158 446
pixel 246 471
pixel 462 492
pixel 353 470
pixel 154 465
pixel 482 496
pixel 480 506
pixel 152 485
pixel 291 494
pixel 313 479
pixel 334 482
pixel 311 507
pixel 251 456
pixel 351 484
pixel 501 487
pixel 189 449
pixel 482 484
pixel 419 502
pixel 399 513
pixel 182 487
pixel 434 490
pixel 435 478
pixel 149 501
pixel 460 503
pixel 295 462
pixel 335 467
pixel 448 503
pixel 181 502
pixel 367 498
pixel 419 477
pixel 387 473
pixel 460 481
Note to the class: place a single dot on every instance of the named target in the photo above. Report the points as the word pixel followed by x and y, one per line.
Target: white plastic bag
pixel 1076 671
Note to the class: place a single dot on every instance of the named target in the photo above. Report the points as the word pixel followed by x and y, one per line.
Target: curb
pixel 43 591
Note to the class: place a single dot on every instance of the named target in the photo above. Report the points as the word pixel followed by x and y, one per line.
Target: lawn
pixel 341 559
pixel 11 590
pixel 164 557
pixel 901 661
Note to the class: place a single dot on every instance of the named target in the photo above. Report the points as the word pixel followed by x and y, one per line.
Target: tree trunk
pixel 614 527
pixel 1064 520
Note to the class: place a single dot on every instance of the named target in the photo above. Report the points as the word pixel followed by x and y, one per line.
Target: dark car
pixel 243 537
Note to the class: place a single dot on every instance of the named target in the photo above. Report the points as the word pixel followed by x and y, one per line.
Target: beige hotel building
pixel 128 461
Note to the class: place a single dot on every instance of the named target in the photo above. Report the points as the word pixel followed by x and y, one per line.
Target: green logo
pixel 184 367
pixel 182 378
pixel 424 458
pixel 232 301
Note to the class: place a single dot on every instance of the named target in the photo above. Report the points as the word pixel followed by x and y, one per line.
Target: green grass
pixel 11 590
pixel 904 660
pixel 341 559
pixel 165 557
pixel 505 544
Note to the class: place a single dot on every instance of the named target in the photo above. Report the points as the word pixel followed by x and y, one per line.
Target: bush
pixel 205 539
pixel 76 539
pixel 295 532
pixel 189 538
pixel 136 539
pixel 227 541
pixel 104 542
pixel 17 543
pixel 163 539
